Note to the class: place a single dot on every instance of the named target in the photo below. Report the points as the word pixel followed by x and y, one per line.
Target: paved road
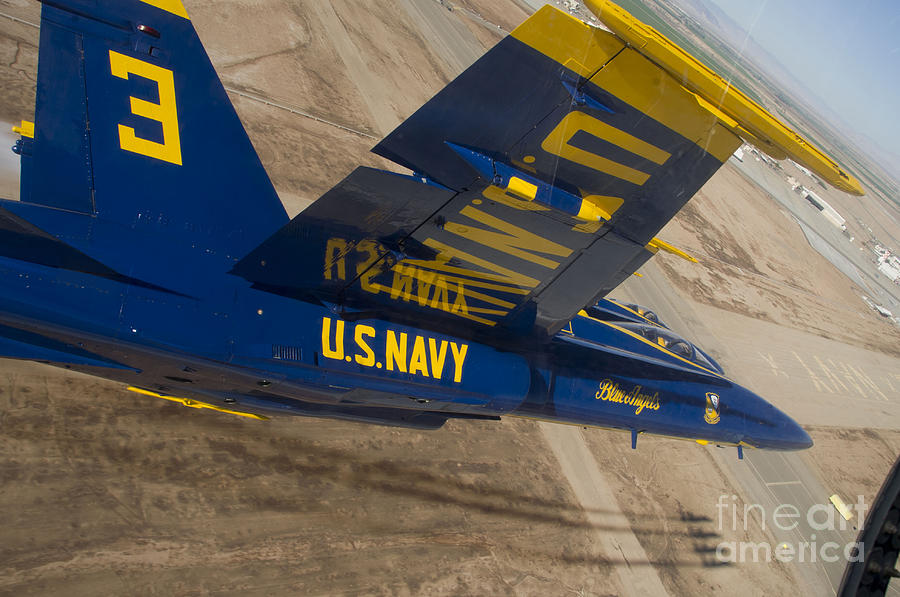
pixel 9 163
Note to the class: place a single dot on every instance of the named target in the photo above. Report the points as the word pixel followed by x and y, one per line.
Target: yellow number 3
pixel 165 112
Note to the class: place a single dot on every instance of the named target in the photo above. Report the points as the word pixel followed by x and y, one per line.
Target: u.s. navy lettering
pixel 414 354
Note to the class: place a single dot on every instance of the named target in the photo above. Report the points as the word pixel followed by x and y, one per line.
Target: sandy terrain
pixel 106 492
pixel 754 260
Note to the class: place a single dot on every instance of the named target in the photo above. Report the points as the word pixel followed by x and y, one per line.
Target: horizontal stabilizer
pixel 364 219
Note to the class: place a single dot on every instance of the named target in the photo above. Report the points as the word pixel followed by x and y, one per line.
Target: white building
pixel 829 212
pixel 889 265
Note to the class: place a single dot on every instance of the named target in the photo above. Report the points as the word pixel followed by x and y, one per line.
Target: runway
pixel 9 163
pixel 761 358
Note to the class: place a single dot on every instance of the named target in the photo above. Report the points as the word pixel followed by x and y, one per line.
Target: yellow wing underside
pixel 586 50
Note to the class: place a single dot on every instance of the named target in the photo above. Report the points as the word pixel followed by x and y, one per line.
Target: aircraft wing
pixel 541 176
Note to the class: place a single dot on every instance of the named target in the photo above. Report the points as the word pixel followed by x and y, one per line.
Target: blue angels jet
pixel 150 247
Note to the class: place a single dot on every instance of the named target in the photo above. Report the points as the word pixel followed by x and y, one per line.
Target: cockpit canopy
pixel 612 310
pixel 644 312
pixel 674 344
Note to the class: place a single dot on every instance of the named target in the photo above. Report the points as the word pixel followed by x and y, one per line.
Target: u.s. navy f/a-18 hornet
pixel 149 245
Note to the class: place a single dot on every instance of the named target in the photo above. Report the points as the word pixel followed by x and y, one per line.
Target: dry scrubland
pixel 105 492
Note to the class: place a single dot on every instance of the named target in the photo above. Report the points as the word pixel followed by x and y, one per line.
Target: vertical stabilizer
pixel 134 131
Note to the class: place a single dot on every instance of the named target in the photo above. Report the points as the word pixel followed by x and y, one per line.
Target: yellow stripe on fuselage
pixel 630 310
pixel 196 403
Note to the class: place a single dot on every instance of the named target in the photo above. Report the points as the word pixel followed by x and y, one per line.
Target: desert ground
pixel 106 492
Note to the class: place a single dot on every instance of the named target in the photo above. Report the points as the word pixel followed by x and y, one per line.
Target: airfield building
pixel 829 212
pixel 889 265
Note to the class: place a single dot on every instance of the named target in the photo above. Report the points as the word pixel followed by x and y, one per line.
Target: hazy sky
pixel 847 53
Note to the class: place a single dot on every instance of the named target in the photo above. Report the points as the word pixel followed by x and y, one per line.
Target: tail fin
pixel 134 128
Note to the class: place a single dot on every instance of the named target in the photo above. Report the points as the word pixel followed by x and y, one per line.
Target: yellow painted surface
pixel 413 353
pixel 568 41
pixel 841 507
pixel 196 403
pixel 699 79
pixel 720 142
pixel 173 6
pixel 658 244
pixel 26 129
pixel 522 188
pixel 495 193
pixel 509 238
pixel 557 143
pixel 630 76
pixel 599 207
pixel 165 112
pixel 636 80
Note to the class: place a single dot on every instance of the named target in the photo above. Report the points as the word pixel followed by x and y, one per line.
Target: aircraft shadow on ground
pixel 390 476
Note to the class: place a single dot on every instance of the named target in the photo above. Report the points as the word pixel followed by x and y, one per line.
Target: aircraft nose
pixel 795 437
pixel 775 430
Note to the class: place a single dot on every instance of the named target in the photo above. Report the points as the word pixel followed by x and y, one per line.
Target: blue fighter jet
pixel 150 247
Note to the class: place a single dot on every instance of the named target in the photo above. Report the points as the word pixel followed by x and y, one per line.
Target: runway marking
pixel 867 382
pixel 829 374
pixel 800 531
pixel 840 378
pixel 849 377
pixel 593 492
pixel 819 384
pixel 772 362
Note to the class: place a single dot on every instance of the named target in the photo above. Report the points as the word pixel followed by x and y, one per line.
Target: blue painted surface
pixel 163 280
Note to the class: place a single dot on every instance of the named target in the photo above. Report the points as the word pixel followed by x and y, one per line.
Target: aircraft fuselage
pixel 253 351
